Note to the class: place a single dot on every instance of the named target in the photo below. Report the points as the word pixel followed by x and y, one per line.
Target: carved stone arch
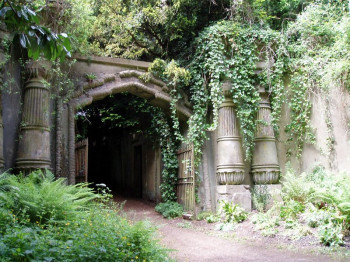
pixel 126 80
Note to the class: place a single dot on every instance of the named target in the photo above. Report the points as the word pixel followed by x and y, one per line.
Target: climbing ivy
pixel 176 78
pixel 318 51
pixel 230 51
pixel 138 116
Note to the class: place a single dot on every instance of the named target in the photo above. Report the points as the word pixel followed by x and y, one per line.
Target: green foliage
pixel 170 209
pixel 266 223
pixel 331 235
pixel 260 197
pixel 176 78
pixel 230 51
pixel 24 24
pixel 90 77
pixel 291 209
pixel 38 198
pixel 89 232
pixel 232 213
pixel 318 62
pixel 204 215
pixel 311 200
pixel 213 218
pixel 152 28
pixel 228 215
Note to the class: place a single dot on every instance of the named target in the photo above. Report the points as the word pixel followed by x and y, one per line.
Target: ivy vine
pixel 114 112
pixel 229 50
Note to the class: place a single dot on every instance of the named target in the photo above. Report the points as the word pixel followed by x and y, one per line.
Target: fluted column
pixel 265 167
pixel 2 65
pixel 230 167
pixel 34 141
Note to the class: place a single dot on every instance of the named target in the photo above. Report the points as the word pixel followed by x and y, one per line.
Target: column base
pixel 238 194
pixel 268 194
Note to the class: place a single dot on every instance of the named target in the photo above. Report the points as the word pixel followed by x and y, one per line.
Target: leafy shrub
pixel 101 235
pixel 291 209
pixel 232 213
pixel 260 197
pixel 89 232
pixel 213 218
pixel 331 234
pixel 203 215
pixel 39 198
pixel 266 223
pixel 170 209
pixel 318 199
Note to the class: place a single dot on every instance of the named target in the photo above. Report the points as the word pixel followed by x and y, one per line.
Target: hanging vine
pixel 229 50
pixel 136 114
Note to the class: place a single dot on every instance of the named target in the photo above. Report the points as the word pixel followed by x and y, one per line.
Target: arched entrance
pixel 125 79
pixel 119 146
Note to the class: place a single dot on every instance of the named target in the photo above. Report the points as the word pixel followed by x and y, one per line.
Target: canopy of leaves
pixel 24 24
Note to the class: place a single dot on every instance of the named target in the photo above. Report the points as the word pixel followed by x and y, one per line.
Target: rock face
pixel 34 142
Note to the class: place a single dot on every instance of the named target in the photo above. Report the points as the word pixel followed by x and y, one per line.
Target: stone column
pixel 230 167
pixel 2 65
pixel 230 171
pixel 265 167
pixel 34 141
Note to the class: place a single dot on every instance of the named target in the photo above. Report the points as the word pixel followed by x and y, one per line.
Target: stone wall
pixel 330 120
pixel 334 109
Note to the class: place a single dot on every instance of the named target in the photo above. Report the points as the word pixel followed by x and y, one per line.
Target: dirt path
pixel 197 241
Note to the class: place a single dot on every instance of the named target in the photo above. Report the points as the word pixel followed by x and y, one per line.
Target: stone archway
pixel 112 76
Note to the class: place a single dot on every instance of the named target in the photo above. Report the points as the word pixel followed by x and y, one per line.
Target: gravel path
pixel 196 241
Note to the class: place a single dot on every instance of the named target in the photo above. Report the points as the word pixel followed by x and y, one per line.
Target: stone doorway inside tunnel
pixel 122 151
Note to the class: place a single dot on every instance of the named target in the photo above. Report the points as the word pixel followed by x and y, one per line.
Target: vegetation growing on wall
pixel 207 42
pixel 318 45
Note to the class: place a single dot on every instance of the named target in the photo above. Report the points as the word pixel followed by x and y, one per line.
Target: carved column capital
pixel 37 69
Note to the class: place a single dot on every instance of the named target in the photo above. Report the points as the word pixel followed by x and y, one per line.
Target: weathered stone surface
pixel 34 142
pixel 238 194
pixel 230 166
pixel 265 167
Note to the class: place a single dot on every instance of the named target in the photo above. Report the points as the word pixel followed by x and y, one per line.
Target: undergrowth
pixel 170 209
pixel 42 219
pixel 313 203
pixel 229 214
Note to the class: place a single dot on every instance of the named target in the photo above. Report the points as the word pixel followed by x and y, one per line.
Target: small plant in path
pixel 170 209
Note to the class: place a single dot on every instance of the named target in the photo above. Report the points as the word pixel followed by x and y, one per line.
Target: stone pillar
pixel 34 141
pixel 265 167
pixel 230 167
pixel 230 163
pixel 2 65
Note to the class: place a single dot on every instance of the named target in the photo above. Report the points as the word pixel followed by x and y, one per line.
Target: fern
pixel 40 198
